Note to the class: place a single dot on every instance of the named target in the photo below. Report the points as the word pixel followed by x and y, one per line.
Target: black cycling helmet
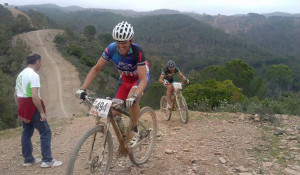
pixel 171 64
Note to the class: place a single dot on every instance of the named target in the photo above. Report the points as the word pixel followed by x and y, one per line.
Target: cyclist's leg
pixel 169 91
pixel 121 92
pixel 168 94
pixel 135 109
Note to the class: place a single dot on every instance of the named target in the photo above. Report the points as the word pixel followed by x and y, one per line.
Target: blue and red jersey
pixel 127 66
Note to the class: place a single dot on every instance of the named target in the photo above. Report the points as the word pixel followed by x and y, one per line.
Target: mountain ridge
pixel 72 8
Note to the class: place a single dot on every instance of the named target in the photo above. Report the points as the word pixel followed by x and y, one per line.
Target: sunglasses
pixel 122 42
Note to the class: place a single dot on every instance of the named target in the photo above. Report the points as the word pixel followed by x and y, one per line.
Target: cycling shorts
pixel 170 80
pixel 124 87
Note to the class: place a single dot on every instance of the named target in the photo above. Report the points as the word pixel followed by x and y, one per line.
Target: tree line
pixel 11 63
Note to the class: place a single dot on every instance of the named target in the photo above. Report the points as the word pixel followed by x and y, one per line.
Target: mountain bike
pixel 93 153
pixel 178 104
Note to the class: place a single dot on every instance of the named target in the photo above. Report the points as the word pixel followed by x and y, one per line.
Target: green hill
pixel 190 42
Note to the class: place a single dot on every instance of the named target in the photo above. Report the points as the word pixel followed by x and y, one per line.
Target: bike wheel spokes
pixel 165 112
pixel 87 157
pixel 182 109
pixel 147 127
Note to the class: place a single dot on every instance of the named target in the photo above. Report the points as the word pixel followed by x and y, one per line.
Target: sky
pixel 210 7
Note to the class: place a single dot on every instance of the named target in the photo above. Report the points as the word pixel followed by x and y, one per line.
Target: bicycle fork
pixel 94 163
pixel 174 100
pixel 105 139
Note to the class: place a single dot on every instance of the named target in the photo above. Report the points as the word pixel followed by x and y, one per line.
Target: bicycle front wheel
pixel 165 112
pixel 88 156
pixel 182 109
pixel 147 127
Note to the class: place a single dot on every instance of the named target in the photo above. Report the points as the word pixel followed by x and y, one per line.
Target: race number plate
pixel 101 107
pixel 177 86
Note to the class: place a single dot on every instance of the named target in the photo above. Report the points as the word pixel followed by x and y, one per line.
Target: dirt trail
pixel 210 144
pixel 59 78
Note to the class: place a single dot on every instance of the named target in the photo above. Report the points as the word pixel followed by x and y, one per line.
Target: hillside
pixel 255 28
pixel 169 35
pixel 196 41
pixel 277 32
pixel 16 12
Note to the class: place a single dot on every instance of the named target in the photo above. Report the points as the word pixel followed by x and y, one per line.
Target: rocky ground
pixel 210 144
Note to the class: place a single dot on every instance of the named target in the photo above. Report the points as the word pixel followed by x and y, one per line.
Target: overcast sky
pixel 211 7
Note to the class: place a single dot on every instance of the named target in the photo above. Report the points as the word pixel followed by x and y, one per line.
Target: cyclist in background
pixel 129 60
pixel 166 78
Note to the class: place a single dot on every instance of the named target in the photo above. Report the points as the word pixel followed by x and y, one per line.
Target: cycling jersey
pixel 127 67
pixel 168 75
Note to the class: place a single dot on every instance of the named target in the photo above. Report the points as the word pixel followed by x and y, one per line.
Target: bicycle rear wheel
pixel 81 162
pixel 166 113
pixel 147 126
pixel 182 109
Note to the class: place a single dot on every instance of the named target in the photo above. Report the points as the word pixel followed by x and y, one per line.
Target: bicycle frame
pixel 117 106
pixel 176 90
pixel 94 150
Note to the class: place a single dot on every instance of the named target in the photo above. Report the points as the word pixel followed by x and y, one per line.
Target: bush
pixel 60 39
pixel 291 103
pixel 8 107
pixel 212 93
pixel 74 50
pixel 266 108
pixel 153 94
pixel 87 61
pixel 227 107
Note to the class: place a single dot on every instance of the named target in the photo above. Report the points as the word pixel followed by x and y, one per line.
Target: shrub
pixel 87 61
pixel 213 92
pixel 60 39
pixel 74 50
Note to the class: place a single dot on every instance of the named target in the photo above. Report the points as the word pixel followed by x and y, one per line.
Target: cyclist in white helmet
pixel 129 60
pixel 166 78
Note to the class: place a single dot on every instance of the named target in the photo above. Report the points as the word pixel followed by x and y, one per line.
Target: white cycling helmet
pixel 123 32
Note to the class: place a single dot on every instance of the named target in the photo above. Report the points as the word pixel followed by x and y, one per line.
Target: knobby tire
pixel 166 113
pixel 80 154
pixel 147 126
pixel 182 109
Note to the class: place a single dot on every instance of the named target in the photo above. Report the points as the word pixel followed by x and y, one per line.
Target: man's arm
pixel 93 73
pixel 182 76
pixel 37 102
pixel 16 97
pixel 161 78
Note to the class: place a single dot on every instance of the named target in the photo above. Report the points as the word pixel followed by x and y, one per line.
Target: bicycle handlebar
pixel 117 104
pixel 183 82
